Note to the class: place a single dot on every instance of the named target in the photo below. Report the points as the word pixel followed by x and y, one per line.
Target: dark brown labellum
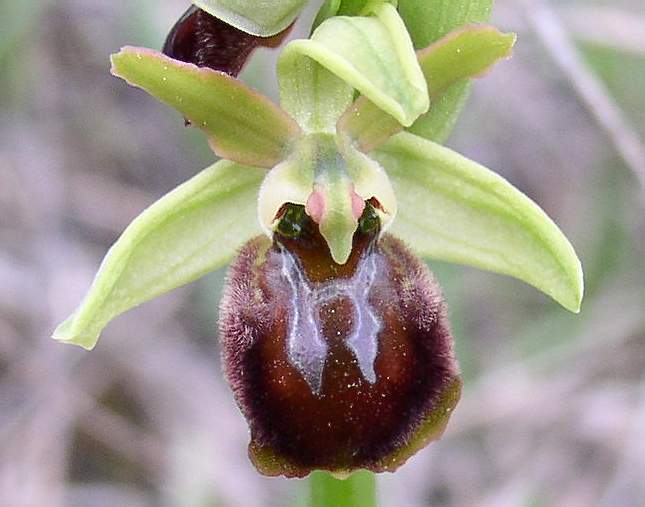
pixel 336 367
pixel 206 41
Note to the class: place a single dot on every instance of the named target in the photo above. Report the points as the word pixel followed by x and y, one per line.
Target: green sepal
pixel 381 65
pixel 309 91
pixel 465 53
pixel 191 231
pixel 243 125
pixel 265 18
pixel 455 210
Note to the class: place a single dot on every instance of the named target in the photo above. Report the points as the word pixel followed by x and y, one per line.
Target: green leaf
pixel 444 111
pixel 243 125
pixel 427 22
pixel 354 7
pixel 191 231
pixel 381 65
pixel 264 18
pixel 465 53
pixel 328 10
pixel 453 209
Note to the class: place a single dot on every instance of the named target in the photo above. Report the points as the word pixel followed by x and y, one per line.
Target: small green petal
pixel 427 22
pixel 453 209
pixel 243 125
pixel 465 53
pixel 468 52
pixel 191 231
pixel 264 18
pixel 345 8
pixel 381 65
pixel 357 7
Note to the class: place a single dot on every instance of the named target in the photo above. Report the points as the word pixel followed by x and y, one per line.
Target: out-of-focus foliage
pixel 554 406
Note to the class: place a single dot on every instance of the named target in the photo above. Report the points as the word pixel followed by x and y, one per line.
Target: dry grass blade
pixel 611 27
pixel 557 41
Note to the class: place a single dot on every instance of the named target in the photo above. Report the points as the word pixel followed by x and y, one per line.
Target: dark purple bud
pixel 336 367
pixel 206 41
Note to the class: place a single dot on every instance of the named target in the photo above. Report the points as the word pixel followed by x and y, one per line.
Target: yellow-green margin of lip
pixel 270 463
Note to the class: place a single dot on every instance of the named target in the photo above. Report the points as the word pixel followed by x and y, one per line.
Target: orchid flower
pixel 334 334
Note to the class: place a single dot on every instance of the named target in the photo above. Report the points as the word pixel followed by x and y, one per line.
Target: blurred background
pixel 553 412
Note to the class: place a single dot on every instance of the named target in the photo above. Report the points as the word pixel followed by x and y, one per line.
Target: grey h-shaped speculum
pixel 306 346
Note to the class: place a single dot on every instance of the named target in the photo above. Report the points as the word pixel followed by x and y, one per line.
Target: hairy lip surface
pixel 336 367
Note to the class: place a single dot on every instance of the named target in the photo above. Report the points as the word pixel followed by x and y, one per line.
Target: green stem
pixel 358 490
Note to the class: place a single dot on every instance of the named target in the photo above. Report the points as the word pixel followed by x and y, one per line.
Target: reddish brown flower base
pixel 336 367
pixel 202 39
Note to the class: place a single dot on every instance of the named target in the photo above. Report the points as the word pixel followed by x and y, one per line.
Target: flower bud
pixel 206 41
pixel 336 367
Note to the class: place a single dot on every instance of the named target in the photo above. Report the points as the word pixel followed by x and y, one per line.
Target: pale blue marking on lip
pixel 307 348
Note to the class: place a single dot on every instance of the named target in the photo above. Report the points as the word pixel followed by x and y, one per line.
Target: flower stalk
pixel 357 490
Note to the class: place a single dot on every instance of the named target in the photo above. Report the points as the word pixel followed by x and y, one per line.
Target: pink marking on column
pixel 315 206
pixel 358 204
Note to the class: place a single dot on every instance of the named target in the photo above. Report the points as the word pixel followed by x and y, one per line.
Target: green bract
pixel 331 153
